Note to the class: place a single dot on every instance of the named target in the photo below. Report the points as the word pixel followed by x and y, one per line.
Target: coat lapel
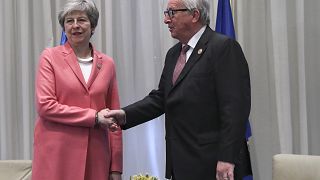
pixel 71 59
pixel 96 66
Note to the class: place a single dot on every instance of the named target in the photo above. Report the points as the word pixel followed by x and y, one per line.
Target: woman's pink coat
pixel 66 144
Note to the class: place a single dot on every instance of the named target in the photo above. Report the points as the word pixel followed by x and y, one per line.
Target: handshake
pixel 111 119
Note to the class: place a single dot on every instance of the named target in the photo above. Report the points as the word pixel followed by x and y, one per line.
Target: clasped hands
pixel 111 119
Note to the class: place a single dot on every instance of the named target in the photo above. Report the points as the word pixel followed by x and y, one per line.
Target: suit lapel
pixel 197 52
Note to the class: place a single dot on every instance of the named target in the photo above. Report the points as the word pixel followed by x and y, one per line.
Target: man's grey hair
pixel 202 6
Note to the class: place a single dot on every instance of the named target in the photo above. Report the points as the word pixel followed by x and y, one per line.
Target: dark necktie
pixel 180 63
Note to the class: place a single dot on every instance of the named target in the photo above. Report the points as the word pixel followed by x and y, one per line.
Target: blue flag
pixel 224 22
pixel 64 38
pixel 224 25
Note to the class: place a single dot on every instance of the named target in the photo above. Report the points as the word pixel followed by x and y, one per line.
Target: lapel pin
pixel 99 66
pixel 199 51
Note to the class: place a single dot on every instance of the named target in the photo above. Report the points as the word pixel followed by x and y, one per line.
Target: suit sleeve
pixel 233 93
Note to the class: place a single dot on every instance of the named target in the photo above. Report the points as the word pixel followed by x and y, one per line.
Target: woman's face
pixel 78 28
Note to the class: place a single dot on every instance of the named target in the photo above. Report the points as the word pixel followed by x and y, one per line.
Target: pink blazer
pixel 66 144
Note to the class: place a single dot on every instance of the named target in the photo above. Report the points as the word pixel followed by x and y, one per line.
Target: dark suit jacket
pixel 205 110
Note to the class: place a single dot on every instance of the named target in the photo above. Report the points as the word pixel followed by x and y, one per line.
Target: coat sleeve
pixel 116 136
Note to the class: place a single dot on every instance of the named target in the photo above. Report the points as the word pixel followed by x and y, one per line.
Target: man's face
pixel 179 20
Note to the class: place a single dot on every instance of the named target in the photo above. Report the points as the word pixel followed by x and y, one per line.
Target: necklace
pixel 85 60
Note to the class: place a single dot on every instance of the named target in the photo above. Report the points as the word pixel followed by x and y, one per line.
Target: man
pixel 206 107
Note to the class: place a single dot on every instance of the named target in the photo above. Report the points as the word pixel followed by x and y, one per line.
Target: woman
pixel 75 84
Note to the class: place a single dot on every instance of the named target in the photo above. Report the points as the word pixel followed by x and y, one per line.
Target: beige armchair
pixel 15 169
pixel 296 167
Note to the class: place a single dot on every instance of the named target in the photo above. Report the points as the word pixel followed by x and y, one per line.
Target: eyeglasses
pixel 171 12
